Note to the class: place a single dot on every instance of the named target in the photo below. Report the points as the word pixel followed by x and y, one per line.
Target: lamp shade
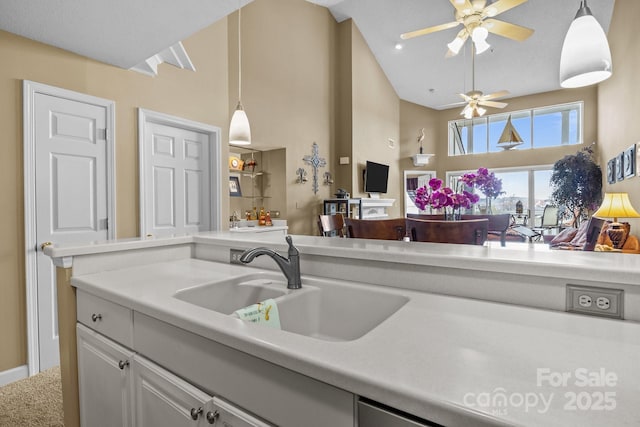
pixel 239 130
pixel 616 205
pixel 585 58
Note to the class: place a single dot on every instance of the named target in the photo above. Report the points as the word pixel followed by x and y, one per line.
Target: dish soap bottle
pixel 262 219
pixel 267 219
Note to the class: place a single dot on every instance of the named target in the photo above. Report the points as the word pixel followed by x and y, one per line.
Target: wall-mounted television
pixel 376 176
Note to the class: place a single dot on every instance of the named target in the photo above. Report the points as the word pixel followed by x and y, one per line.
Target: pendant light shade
pixel 585 58
pixel 239 129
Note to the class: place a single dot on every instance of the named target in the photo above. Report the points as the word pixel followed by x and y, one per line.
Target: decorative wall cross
pixel 315 162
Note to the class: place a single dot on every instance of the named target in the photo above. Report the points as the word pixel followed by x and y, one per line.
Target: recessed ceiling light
pixel 399 46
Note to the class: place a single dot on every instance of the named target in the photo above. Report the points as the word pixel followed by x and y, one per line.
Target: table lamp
pixel 616 205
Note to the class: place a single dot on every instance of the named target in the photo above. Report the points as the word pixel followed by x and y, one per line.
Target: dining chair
pixel 381 229
pixel 471 232
pixel 331 225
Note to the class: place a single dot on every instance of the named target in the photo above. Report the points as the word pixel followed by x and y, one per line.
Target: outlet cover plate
pixel 234 256
pixel 614 310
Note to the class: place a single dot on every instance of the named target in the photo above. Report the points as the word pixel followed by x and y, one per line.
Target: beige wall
pixel 200 96
pixel 343 105
pixel 619 99
pixel 287 92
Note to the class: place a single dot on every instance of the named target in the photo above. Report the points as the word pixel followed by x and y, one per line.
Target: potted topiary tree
pixel 576 183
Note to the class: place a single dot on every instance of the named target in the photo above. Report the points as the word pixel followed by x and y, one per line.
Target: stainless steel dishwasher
pixel 372 414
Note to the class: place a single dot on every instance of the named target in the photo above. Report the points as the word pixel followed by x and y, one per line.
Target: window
pixel 528 185
pixel 539 128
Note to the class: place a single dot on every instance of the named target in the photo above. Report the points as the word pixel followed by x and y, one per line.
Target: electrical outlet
pixel 584 300
pixel 595 301
pixel 234 256
pixel 603 303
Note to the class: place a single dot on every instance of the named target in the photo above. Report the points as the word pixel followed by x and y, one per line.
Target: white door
pixel 104 381
pixel 176 182
pixel 70 195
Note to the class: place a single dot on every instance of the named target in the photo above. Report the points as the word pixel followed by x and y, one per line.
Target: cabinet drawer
pixel 110 319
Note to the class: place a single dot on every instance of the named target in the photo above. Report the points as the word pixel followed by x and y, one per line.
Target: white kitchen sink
pixel 230 295
pixel 322 309
pixel 336 311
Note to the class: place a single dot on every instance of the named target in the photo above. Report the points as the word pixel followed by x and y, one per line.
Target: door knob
pixel 45 244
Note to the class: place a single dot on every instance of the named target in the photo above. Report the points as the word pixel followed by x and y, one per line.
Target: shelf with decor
pixel 351 208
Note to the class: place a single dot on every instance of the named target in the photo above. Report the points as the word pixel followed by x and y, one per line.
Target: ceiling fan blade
pixel 428 30
pixel 466 97
pixel 493 104
pixel 495 95
pixel 505 29
pixel 501 6
pixel 461 5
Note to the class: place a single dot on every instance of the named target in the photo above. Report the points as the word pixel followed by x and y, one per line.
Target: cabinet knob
pixel 96 317
pixel 195 413
pixel 123 363
pixel 212 416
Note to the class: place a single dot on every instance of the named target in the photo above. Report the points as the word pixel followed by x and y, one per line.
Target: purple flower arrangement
pixel 439 197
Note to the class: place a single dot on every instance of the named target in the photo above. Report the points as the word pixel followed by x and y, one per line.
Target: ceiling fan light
pixel 480 111
pixel 239 130
pixel 585 57
pixel 481 46
pixel 456 45
pixel 479 34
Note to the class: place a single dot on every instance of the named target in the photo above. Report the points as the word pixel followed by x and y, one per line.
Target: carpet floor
pixel 33 402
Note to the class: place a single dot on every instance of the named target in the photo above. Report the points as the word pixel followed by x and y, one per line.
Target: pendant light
pixel 239 130
pixel 585 58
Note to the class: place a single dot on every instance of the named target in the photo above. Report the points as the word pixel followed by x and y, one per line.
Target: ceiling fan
pixel 473 14
pixel 476 100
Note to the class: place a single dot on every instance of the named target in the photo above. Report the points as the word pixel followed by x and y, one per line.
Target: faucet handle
pixel 292 249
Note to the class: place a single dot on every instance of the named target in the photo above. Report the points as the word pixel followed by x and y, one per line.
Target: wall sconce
pixel 302 176
pixel 328 180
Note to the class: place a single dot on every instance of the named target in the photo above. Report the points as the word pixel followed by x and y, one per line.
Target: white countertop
pixel 517 258
pixel 438 357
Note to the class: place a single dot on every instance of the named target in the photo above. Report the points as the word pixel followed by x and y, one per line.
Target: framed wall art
pixel 234 187
pixel 638 159
pixel 629 162
pixel 611 171
pixel 620 167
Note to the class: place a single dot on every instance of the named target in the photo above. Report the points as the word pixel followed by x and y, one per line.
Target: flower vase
pixel 452 215
pixel 489 208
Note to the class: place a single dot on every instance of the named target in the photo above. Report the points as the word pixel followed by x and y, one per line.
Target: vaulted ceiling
pixel 126 32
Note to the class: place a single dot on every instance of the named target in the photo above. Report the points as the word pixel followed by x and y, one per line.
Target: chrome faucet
pixel 290 266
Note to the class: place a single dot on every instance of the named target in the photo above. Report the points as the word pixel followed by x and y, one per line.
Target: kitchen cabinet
pixel 162 399
pixel 104 381
pixel 191 381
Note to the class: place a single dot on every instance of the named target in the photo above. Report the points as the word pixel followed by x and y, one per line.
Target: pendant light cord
pixel 239 54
